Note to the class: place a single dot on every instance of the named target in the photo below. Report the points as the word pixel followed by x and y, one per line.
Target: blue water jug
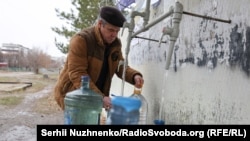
pixel 83 106
pixel 124 111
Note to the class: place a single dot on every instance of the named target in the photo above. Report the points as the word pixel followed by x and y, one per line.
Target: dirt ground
pixel 18 122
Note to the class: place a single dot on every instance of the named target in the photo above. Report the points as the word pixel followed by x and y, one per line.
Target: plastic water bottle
pixel 124 111
pixel 83 106
pixel 144 105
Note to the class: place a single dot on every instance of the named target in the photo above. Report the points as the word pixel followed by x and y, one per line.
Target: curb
pixel 14 86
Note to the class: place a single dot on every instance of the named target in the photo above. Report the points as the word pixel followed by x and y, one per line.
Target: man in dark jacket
pixel 96 51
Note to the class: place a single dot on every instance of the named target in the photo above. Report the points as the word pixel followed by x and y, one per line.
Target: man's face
pixel 109 32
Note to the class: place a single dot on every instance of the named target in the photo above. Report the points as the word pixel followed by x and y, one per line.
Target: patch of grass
pixel 11 100
pixel 38 84
pixel 8 79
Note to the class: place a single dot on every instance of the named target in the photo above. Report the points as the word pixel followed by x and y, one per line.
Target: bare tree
pixel 38 59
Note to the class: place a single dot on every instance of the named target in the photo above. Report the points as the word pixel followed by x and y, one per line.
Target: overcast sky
pixel 29 22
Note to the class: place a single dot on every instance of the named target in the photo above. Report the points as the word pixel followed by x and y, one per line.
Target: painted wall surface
pixel 209 77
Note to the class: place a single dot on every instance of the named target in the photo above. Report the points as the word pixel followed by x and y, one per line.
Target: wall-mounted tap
pixel 165 31
pixel 173 31
pixel 177 11
pixel 131 27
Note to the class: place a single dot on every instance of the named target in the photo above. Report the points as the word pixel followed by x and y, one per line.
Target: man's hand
pixel 107 102
pixel 139 81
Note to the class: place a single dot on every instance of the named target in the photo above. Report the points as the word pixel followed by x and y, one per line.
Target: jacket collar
pixel 98 36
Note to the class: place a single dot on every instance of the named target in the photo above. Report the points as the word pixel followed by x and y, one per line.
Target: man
pixel 96 51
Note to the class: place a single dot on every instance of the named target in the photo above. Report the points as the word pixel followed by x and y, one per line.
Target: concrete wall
pixel 209 78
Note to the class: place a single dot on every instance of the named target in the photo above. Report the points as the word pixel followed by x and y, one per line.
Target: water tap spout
pixel 165 31
pixel 174 33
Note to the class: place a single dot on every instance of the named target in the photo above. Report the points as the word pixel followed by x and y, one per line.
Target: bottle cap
pixel 85 78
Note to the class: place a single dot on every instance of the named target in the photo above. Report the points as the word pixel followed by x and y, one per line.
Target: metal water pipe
pixel 175 11
pixel 173 31
pixel 131 27
pixel 156 21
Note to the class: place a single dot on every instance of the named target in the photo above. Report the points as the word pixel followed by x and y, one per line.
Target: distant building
pixel 9 48
pixel 13 55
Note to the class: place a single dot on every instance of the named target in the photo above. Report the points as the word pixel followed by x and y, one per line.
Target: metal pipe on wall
pixel 177 15
pixel 131 35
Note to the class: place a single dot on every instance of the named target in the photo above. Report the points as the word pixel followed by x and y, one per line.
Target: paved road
pixel 18 123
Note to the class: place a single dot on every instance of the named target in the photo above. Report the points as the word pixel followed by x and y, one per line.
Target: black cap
pixel 112 15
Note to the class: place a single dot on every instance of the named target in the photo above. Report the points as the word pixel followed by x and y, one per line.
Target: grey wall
pixel 209 78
